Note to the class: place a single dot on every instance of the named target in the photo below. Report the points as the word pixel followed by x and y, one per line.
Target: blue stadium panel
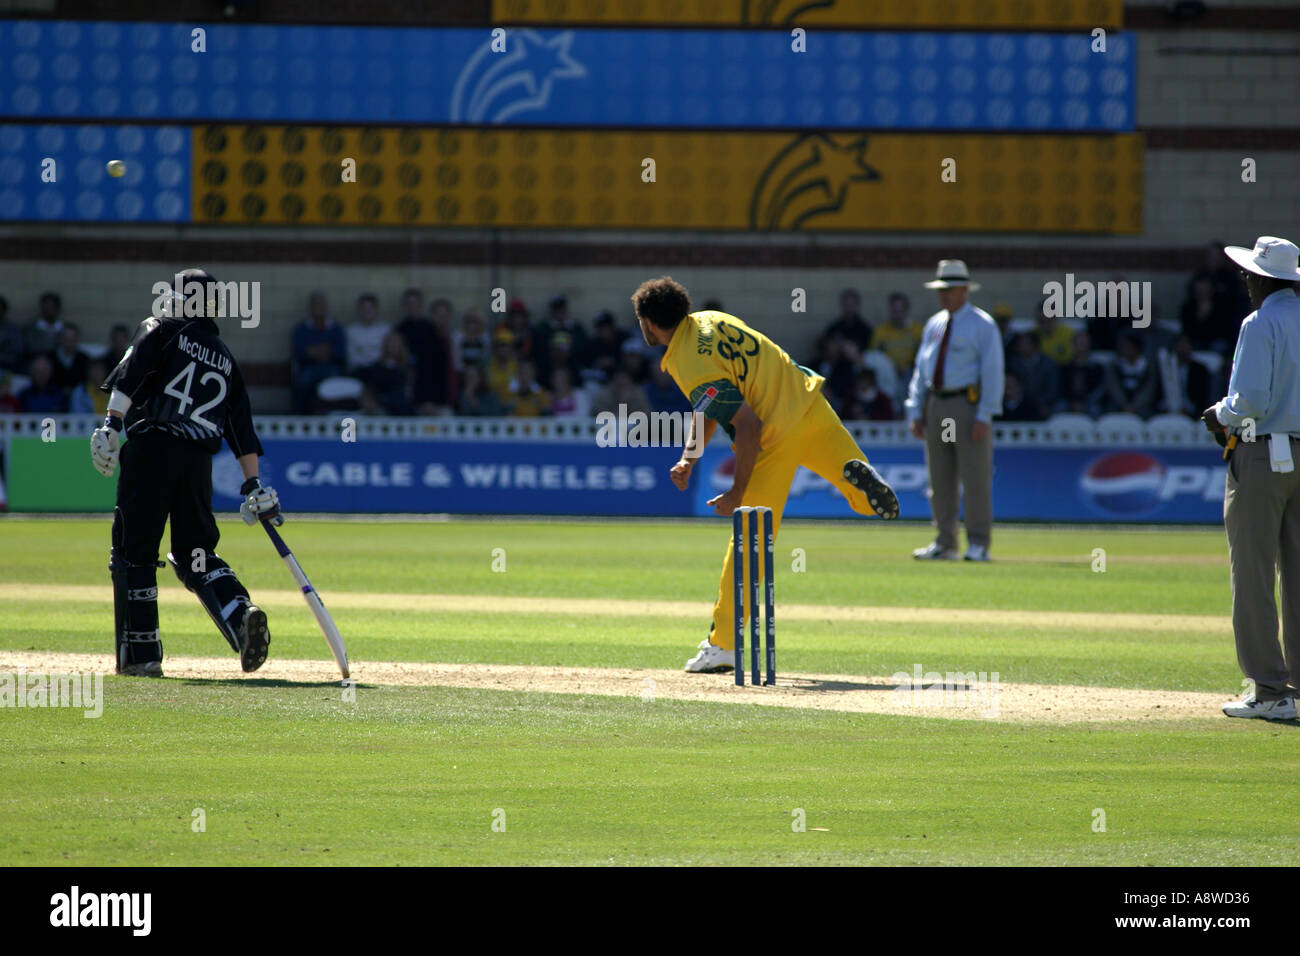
pixel 155 188
pixel 629 78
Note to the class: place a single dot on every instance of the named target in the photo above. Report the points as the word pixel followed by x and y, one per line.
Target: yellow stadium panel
pixel 845 14
pixel 760 181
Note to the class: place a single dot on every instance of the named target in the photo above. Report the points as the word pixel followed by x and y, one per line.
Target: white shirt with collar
pixel 974 358
pixel 1265 383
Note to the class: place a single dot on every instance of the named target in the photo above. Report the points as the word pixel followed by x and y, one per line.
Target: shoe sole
pixel 133 673
pixel 257 639
pixel 1264 716
pixel 942 556
pixel 867 480
pixel 716 669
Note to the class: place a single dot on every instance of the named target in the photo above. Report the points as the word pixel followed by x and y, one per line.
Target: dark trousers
pixel 163 477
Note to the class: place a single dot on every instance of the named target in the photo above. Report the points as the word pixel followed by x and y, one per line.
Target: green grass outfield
pixel 291 773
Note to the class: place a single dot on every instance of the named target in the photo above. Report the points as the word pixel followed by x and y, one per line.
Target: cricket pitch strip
pixel 967 697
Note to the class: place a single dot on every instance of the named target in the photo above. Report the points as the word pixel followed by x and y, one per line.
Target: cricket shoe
pixel 147 669
pixel 867 480
pixel 254 638
pixel 976 552
pixel 1248 706
pixel 711 659
pixel 933 552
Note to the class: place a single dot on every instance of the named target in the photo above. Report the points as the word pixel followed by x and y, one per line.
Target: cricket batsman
pixel 176 393
pixel 775 414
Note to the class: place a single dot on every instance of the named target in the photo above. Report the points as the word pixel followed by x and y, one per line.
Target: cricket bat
pixel 327 625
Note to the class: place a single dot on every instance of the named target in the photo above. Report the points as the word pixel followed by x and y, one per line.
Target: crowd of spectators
pixel 428 361
pixel 46 368
pixel 1086 367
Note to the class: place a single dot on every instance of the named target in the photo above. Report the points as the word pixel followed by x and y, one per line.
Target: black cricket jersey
pixel 183 381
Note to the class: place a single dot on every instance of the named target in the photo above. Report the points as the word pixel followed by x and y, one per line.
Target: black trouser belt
pixel 950 392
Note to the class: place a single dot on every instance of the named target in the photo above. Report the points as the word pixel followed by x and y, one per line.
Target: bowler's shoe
pixel 867 480
pixel 711 659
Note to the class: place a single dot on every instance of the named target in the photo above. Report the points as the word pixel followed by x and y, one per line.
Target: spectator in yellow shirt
pixel 502 366
pixel 1055 338
pixel 527 398
pixel 898 336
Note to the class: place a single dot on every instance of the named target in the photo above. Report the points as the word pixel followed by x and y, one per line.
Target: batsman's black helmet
pixel 187 277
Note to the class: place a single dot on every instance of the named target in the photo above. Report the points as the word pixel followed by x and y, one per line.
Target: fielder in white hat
pixel 1258 423
pixel 955 391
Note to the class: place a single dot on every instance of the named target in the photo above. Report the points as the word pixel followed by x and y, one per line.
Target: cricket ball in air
pixel 116 168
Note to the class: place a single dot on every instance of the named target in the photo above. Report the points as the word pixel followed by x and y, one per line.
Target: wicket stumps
pixel 745 531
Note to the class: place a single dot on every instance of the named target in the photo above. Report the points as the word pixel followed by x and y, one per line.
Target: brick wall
pixel 1218 78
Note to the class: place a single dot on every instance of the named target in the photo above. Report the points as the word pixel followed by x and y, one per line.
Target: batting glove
pixel 106 445
pixel 260 503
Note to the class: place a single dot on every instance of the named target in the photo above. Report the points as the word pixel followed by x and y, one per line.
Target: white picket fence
pixel 1118 431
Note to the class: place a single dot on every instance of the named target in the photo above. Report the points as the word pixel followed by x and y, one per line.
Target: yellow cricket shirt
pixel 499 375
pixel 1059 344
pixel 899 345
pixel 719 362
pixel 533 405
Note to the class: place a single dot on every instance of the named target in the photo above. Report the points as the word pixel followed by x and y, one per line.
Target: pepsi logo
pixel 722 476
pixel 1124 483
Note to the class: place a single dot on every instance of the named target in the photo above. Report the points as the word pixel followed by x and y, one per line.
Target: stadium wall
pixel 1239 97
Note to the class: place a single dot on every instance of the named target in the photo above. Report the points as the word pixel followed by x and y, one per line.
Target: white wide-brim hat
pixel 1273 257
pixel 950 274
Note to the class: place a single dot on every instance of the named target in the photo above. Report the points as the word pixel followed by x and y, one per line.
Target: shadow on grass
pixel 1029 560
pixel 812 684
pixel 808 683
pixel 263 682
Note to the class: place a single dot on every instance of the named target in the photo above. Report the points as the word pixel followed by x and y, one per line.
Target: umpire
pixel 1261 501
pixel 955 391
pixel 176 393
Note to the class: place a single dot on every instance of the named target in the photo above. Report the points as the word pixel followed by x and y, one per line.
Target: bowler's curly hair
pixel 663 302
